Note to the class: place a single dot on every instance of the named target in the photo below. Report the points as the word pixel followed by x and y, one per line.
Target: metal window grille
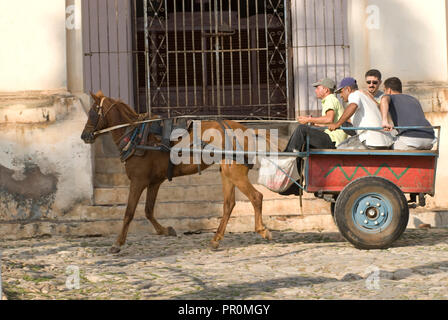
pixel 320 46
pixel 214 57
pixel 206 57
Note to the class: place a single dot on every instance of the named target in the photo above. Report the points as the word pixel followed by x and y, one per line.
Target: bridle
pixel 100 113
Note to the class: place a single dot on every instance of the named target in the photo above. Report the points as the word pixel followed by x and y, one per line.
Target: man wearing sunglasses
pixel 363 113
pixel 373 81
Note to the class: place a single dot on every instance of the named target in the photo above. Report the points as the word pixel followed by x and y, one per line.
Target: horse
pixel 150 170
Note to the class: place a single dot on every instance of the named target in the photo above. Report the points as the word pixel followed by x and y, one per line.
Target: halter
pixel 101 113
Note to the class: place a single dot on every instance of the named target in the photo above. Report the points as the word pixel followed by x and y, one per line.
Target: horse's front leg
pixel 151 196
pixel 135 192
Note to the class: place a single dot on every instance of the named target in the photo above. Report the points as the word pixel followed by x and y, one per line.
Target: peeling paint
pixel 30 197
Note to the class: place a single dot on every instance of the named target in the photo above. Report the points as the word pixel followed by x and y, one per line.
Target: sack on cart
pixel 278 174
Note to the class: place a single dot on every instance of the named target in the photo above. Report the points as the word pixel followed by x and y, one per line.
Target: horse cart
pixel 366 188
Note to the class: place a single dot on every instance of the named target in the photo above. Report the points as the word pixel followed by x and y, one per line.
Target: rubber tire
pixel 332 206
pixel 365 240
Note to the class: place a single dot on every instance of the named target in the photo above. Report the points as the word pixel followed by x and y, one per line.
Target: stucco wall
pixel 45 168
pixel 33 54
pixel 404 38
pixel 441 197
pixel 407 39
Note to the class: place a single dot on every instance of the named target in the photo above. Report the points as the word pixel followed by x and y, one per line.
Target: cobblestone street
pixel 291 266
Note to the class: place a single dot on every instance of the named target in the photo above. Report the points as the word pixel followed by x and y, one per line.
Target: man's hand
pixel 367 93
pixel 387 126
pixel 304 120
pixel 333 126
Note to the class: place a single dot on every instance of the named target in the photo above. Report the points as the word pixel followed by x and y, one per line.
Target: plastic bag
pixel 272 173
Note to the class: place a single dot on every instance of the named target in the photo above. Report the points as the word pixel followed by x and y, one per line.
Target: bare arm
pixel 384 108
pixel 327 119
pixel 348 113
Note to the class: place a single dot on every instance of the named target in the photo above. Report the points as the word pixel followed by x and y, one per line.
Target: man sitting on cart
pixel 319 138
pixel 405 111
pixel 363 113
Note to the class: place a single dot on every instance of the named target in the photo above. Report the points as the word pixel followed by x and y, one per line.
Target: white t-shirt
pixel 378 96
pixel 368 115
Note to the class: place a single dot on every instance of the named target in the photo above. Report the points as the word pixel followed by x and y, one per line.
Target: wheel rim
pixel 372 213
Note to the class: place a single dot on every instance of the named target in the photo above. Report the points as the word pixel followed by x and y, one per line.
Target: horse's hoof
pixel 114 249
pixel 267 235
pixel 214 244
pixel 171 232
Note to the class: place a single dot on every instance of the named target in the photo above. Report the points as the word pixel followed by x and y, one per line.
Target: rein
pixel 212 118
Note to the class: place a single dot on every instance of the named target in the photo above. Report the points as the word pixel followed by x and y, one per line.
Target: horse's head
pixel 97 119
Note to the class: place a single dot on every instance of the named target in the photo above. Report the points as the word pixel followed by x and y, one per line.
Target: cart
pixel 366 188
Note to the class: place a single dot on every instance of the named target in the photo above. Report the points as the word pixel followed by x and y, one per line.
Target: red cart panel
pixel 411 172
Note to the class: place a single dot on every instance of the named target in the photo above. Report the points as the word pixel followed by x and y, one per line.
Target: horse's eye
pixel 93 115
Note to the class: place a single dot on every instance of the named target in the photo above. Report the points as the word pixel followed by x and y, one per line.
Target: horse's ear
pixel 94 97
pixel 100 94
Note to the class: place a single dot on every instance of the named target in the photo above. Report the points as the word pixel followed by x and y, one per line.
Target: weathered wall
pixel 404 38
pixel 407 39
pixel 45 168
pixel 441 198
pixel 33 55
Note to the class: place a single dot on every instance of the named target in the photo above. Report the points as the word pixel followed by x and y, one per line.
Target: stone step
pixel 109 165
pixel 107 220
pixel 177 192
pixel 210 176
pixel 114 165
pixel 195 209
pixel 141 225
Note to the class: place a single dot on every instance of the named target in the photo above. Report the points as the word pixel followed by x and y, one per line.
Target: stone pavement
pixel 292 266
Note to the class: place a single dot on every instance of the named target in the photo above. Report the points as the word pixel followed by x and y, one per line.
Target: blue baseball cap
pixel 346 82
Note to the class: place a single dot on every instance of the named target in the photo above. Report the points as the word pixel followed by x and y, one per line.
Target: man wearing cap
pixel 332 110
pixel 363 112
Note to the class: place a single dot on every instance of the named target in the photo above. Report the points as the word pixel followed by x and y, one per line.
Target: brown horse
pixel 149 171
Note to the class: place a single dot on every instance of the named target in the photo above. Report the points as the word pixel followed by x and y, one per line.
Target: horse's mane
pixel 128 113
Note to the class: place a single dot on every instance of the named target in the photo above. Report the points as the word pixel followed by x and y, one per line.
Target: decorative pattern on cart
pixel 350 178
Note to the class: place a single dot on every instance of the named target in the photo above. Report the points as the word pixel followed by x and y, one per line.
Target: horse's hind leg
pixel 151 195
pixel 135 192
pixel 229 203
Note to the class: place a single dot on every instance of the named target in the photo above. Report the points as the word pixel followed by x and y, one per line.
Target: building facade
pixel 240 58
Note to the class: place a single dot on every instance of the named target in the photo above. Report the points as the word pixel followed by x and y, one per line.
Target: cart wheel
pixel 332 205
pixel 371 213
